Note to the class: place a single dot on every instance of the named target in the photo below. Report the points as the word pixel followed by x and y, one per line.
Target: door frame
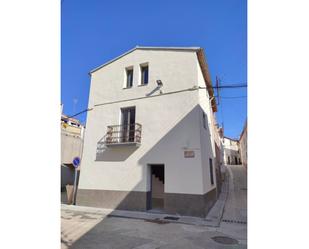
pixel 149 176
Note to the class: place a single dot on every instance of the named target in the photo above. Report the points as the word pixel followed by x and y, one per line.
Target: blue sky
pixel 95 31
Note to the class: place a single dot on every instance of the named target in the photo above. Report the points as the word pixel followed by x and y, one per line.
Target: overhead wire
pixel 220 87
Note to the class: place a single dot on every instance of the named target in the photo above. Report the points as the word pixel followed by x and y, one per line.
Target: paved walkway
pixel 235 209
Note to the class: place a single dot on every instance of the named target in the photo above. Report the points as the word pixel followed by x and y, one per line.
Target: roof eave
pixel 204 67
pixel 145 48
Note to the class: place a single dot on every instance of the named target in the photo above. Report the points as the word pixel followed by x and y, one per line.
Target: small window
pixel 204 120
pixel 129 72
pixel 211 172
pixel 144 75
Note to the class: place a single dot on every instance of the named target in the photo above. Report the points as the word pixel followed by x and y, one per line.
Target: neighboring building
pixel 217 138
pixel 231 151
pixel 150 138
pixel 243 145
pixel 72 136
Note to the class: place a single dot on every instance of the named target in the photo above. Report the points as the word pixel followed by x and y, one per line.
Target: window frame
pixel 126 85
pixel 142 66
pixel 204 120
pixel 211 172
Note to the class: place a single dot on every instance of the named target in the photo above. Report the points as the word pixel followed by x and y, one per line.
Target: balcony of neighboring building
pixel 123 135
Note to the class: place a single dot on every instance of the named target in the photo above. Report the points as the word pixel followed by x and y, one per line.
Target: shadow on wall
pixel 113 154
pixel 138 200
pixel 176 139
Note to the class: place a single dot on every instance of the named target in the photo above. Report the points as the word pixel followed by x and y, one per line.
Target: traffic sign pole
pixel 76 162
pixel 75 186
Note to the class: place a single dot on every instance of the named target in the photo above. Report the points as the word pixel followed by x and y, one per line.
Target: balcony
pixel 122 135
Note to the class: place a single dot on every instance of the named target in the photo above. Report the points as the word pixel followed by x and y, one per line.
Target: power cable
pixel 189 89
pixel 232 97
pixel 86 110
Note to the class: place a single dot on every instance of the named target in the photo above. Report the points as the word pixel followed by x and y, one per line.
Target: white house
pixel 231 151
pixel 149 142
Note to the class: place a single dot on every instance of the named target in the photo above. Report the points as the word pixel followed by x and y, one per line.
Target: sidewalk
pixel 215 214
pixel 213 218
pixel 159 217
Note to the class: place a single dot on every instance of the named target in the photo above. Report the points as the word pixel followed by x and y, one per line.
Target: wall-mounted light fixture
pixel 159 83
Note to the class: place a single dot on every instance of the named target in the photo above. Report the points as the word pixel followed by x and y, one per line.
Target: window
pixel 211 172
pixel 204 120
pixel 127 124
pixel 144 74
pixel 129 73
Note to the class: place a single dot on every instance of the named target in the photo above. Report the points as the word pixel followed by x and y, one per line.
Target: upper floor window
pixel 211 172
pixel 129 75
pixel 144 74
pixel 204 120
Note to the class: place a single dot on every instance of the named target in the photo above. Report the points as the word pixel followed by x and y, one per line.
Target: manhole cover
pixel 235 221
pixel 171 218
pixel 225 240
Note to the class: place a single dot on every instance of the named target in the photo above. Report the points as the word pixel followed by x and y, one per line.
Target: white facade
pixel 231 151
pixel 172 123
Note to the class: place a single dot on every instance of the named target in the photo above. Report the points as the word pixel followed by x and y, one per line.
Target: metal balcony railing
pixel 123 134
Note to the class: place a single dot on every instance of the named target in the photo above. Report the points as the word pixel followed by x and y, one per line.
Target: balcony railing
pixel 123 134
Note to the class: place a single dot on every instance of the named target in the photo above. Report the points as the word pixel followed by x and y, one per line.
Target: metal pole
pixel 75 186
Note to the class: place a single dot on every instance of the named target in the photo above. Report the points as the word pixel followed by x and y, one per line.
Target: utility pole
pixel 218 96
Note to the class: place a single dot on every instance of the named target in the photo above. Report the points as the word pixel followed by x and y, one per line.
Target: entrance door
pixel 128 124
pixel 157 187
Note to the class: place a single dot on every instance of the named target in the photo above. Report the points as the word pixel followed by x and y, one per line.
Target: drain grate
pixel 235 221
pixel 225 240
pixel 157 221
pixel 171 218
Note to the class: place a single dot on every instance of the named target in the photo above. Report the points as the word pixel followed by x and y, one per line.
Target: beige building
pixel 72 137
pixel 231 151
pixel 243 145
pixel 151 134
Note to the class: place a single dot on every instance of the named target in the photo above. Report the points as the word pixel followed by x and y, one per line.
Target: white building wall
pixel 231 149
pixel 170 125
pixel 206 135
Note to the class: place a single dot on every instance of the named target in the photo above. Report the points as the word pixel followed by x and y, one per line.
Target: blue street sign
pixel 76 161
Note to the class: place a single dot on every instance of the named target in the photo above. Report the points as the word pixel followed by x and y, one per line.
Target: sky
pixel 95 31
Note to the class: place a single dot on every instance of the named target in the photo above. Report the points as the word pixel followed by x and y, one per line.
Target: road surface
pixel 235 209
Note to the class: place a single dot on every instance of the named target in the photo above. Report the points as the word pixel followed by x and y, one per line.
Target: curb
pixel 146 216
pixel 214 216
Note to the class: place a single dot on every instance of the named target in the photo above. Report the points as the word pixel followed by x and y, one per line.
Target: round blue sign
pixel 76 161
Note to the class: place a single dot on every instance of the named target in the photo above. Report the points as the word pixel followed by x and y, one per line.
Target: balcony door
pixel 127 124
